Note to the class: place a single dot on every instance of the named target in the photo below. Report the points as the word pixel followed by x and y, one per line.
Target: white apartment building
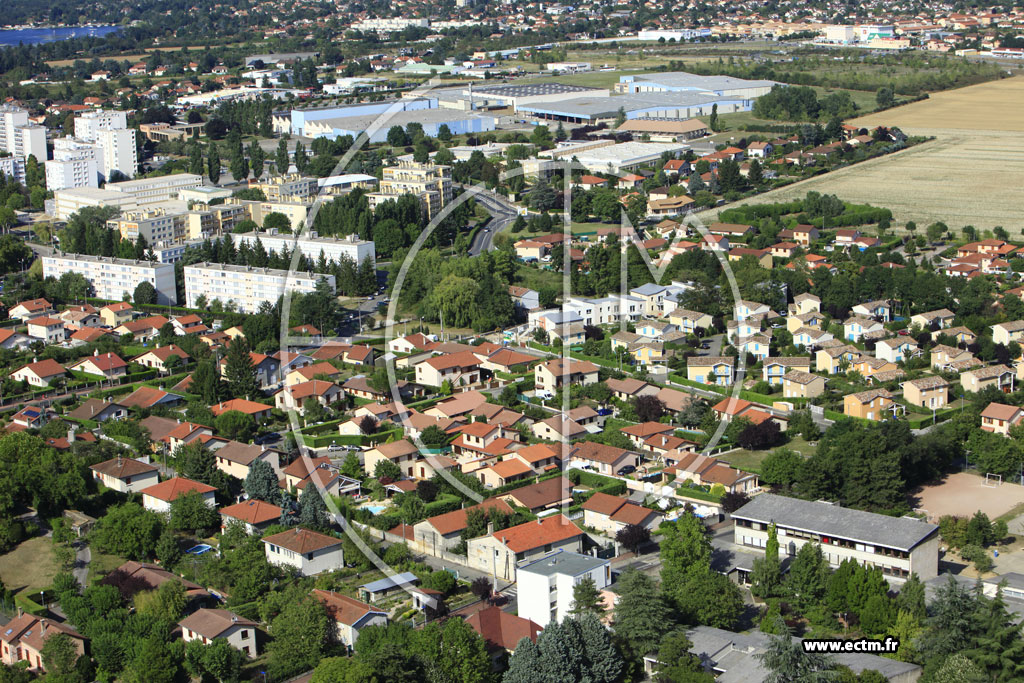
pixel 13 167
pixel 112 277
pixel 546 584
pixel 72 172
pixel 899 545
pixel 245 286
pixel 286 188
pixel 20 137
pixel 333 248
pixel 118 151
pixel 88 124
pixel 70 201
pixel 148 191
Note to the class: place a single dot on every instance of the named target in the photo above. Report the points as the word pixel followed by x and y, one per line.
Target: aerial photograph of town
pixel 454 341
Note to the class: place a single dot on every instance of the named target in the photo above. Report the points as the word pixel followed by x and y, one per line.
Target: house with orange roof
pixel 308 552
pixel 185 433
pixel 502 631
pixel 24 638
pixel 402 453
pixel 349 615
pixel 498 553
pixel 159 358
pixel 158 497
pixel 589 182
pixel 46 329
pixel 254 514
pixel 257 411
pixel 999 417
pixel 267 368
pixel 298 396
pixel 608 514
pixel 504 472
pixel 39 373
pixel 321 370
pixel 107 365
pixel 540 457
pixel 639 433
pixel 443 532
pixel 602 458
pixel 143 329
pixel 33 308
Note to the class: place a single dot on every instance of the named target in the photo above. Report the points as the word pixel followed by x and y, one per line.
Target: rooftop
pixel 563 562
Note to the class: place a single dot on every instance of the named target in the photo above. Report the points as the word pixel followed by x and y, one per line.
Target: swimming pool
pixel 375 509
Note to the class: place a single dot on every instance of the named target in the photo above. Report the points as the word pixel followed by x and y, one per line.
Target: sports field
pixel 963 494
pixel 971 174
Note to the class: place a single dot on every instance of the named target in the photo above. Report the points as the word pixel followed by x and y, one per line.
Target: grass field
pixel 30 567
pixel 971 174
pixel 750 461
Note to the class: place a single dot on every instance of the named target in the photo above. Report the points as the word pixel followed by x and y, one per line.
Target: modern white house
pixel 546 584
pixel 307 551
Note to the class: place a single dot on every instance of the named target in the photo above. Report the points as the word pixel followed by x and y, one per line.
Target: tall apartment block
pixel 19 136
pixel 112 277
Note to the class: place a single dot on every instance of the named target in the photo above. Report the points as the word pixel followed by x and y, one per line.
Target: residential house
pixel 125 475
pixel 254 514
pixel 878 310
pixel 1005 333
pixel 257 411
pixel 107 365
pixel 322 370
pixel 402 453
pixel 629 388
pixel 707 471
pixel 39 373
pixel 207 625
pixel 48 330
pixel 116 314
pixel 502 631
pixel 711 369
pixel 99 410
pixel 298 397
pixel 24 638
pixel 159 358
pixel 458 369
pixel 350 616
pixel 553 374
pixel 307 551
pixel 690 321
pixel 544 495
pixel 834 359
pixel 774 369
pixel 810 337
pixel 999 376
pixel 855 328
pixel 927 392
pixel 601 458
pixel 639 433
pixel 33 308
pixel 235 458
pixel 897 349
pixel 608 514
pixel 748 309
pixel 499 553
pixel 942 356
pixel 797 384
pixel 873 404
pixel 940 319
pixel 545 585
pixel 999 417
pixel 443 532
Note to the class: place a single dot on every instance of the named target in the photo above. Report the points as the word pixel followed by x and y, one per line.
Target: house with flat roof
pixel 546 584
pixel 899 545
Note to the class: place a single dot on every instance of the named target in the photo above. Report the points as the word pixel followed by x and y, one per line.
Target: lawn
pixel 102 564
pixel 537 279
pixel 30 567
pixel 750 461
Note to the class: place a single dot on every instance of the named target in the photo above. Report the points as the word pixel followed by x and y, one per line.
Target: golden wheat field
pixel 971 174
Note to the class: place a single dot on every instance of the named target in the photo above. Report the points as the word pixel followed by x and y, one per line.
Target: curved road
pixel 502 213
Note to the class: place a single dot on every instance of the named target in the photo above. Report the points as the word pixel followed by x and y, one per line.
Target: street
pixel 502 214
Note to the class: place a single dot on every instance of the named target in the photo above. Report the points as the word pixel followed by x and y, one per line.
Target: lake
pixel 34 36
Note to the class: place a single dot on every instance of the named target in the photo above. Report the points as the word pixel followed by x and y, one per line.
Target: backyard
pixel 29 568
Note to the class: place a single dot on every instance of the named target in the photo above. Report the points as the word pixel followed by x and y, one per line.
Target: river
pixel 34 36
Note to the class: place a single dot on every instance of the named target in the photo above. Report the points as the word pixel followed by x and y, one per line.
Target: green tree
pixel 301 634
pixel 281 157
pixel 911 597
pixel 189 512
pixel 195 159
pixel 60 658
pixel 713 119
pixel 239 371
pixel 206 381
pixel 236 425
pixel 166 603
pixel 213 163
pixel 127 530
pixel 807 576
pixel 167 549
pixel 786 661
pixel 586 599
pixel 195 461
pixel 766 577
pixel 541 137
pixel 312 509
pixel 262 483
pixel 145 293
pixel 641 615
pixel 152 662
pixel 257 158
pixel 676 664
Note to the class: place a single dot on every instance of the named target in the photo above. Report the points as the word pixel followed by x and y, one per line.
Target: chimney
pixel 96 352
pixel 539 521
pixel 490 528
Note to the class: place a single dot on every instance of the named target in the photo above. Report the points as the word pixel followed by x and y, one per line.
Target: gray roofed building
pixel 837 522
pixel 676 105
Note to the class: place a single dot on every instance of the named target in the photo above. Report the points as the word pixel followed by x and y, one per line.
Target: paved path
pixel 82 559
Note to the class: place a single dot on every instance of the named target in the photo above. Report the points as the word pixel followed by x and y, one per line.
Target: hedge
pixel 744 394
pixel 445 503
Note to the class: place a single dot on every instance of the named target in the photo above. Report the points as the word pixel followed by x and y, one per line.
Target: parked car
pixel 627 469
pixel 336 447
pixel 267 438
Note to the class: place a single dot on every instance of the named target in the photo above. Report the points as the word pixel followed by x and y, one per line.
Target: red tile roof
pixel 169 490
pixel 302 541
pixel 530 535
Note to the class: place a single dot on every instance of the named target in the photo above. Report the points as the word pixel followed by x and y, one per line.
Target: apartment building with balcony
pixel 245 286
pixel 432 183
pixel 112 277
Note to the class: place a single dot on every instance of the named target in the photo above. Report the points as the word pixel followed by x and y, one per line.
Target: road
pixel 502 213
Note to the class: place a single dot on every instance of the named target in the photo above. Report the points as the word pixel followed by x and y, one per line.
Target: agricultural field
pixel 971 174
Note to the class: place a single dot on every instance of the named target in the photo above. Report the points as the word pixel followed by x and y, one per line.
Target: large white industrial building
pixel 333 249
pixel 111 278
pixel 244 286
pixel 627 156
